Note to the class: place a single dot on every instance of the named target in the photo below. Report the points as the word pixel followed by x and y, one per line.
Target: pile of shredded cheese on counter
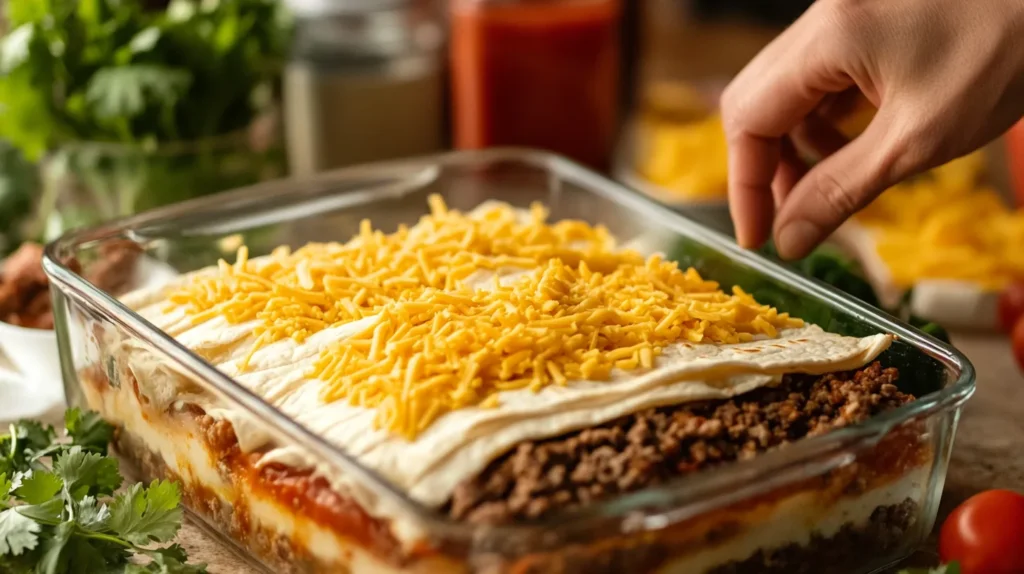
pixel 943 225
pixel 562 303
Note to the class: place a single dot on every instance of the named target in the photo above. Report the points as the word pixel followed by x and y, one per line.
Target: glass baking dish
pixel 654 530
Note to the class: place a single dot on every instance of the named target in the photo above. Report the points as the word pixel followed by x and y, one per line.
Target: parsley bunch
pixel 59 512
pixel 132 71
pixel 18 180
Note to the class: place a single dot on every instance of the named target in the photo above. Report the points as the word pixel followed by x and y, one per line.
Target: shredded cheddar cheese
pixel 688 158
pixel 944 225
pixel 558 303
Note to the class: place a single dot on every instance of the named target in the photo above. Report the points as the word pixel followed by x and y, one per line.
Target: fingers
pixel 770 97
pixel 818 137
pixel 752 164
pixel 837 108
pixel 837 187
pixel 791 170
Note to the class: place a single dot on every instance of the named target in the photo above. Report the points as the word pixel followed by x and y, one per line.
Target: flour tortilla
pixel 460 444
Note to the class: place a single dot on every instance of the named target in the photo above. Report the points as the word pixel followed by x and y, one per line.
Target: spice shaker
pixel 365 82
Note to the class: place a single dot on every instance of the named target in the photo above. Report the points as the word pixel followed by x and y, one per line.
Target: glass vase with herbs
pixel 133 104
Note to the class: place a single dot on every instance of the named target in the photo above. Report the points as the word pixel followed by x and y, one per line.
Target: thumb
pixel 842 184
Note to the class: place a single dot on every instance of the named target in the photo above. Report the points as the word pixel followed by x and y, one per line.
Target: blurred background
pixel 109 107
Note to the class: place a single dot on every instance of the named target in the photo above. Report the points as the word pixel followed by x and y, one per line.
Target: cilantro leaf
pixel 125 92
pixel 18 533
pixel 7 467
pixel 88 430
pixel 86 473
pixel 53 519
pixel 91 515
pixel 33 435
pixel 167 563
pixel 19 447
pixel 68 551
pixel 39 487
pixel 143 515
pixel 52 560
pixel 85 556
pixel 5 488
pixel 49 512
pixel 174 551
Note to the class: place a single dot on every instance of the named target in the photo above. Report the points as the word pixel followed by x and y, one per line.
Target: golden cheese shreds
pixel 558 302
pixel 944 225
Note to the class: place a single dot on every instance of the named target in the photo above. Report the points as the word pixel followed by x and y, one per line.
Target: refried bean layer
pixel 538 478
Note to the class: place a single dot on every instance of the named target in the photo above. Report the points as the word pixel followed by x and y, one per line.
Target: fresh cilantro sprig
pixel 28 443
pixel 59 513
pixel 133 71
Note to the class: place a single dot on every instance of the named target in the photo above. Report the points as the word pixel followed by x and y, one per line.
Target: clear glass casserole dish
pixel 852 500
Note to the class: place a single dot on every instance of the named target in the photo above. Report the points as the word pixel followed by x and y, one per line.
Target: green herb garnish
pixel 18 183
pixel 132 71
pixel 830 265
pixel 59 513
pixel 129 105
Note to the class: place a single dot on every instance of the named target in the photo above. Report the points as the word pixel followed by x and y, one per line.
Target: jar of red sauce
pixel 537 73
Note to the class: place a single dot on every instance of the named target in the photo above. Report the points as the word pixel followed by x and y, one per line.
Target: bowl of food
pixel 27 339
pixel 945 242
pixel 674 151
pixel 499 361
pixel 29 357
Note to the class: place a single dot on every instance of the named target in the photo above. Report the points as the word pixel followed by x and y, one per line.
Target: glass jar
pixel 537 73
pixel 85 183
pixel 364 82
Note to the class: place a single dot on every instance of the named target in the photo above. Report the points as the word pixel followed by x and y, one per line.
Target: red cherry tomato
pixel 984 534
pixel 1017 342
pixel 1015 159
pixel 1011 306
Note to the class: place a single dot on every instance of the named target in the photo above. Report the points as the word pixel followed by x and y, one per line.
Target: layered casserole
pixel 503 370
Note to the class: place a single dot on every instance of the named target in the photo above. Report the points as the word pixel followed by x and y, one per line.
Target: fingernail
pixel 796 239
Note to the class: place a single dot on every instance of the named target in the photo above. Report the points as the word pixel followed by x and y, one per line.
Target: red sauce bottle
pixel 537 73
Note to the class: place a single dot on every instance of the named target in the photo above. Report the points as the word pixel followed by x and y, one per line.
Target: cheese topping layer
pixel 559 303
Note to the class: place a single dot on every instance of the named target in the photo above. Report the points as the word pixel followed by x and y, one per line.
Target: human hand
pixel 947 76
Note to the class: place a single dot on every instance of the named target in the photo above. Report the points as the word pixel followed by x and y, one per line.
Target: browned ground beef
pixel 537 478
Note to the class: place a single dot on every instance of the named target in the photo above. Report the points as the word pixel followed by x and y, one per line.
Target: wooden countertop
pixel 986 452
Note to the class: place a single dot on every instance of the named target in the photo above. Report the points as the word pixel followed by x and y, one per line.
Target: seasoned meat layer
pixel 538 478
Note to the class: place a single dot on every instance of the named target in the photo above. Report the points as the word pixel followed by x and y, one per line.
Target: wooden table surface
pixel 987 451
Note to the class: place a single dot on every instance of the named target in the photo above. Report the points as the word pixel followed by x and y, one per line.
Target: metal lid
pixel 318 8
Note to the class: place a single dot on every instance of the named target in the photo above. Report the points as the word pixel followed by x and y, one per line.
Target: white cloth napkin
pixel 22 398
